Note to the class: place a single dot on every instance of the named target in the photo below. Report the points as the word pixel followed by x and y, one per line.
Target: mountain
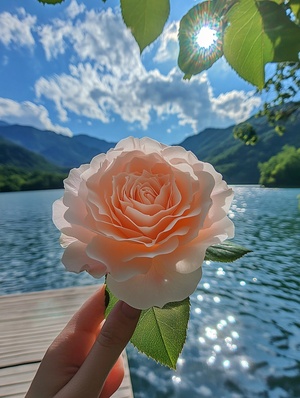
pixel 16 156
pixel 237 162
pixel 23 170
pixel 61 150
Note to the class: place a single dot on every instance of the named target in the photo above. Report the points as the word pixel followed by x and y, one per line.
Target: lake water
pixel 244 330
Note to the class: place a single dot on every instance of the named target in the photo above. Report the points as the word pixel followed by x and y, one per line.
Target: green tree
pixel 246 133
pixel 281 170
pixel 16 179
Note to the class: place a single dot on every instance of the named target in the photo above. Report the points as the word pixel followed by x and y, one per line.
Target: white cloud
pixel 74 9
pixel 168 43
pixel 52 37
pixel 87 92
pixel 107 78
pixel 28 113
pixel 99 37
pixel 193 101
pixel 17 28
pixel 236 105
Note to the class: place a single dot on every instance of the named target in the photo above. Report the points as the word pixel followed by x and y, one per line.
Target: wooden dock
pixel 28 324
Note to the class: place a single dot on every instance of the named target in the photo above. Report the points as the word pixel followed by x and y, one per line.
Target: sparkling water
pixel 244 330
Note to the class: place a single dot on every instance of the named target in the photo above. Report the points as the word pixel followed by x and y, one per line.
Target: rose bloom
pixel 144 214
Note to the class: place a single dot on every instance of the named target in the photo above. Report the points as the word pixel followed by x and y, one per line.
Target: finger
pixel 110 343
pixel 114 379
pixel 75 341
pixel 70 348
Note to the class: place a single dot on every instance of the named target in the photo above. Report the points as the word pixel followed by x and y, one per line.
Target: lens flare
pixel 200 39
pixel 206 37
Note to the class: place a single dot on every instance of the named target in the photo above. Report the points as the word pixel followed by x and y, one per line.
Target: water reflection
pixel 220 271
pixel 244 364
pixel 245 341
pixel 29 250
pixel 176 379
pixel 243 338
pixel 226 363
pixel 211 360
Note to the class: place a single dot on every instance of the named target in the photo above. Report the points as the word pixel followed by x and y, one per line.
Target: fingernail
pixel 129 311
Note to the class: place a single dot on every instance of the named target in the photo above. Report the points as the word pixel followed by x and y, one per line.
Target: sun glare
pixel 206 37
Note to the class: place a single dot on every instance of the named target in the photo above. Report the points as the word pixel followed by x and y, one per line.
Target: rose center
pixel 146 195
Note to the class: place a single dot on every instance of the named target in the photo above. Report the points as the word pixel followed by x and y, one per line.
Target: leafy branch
pixel 249 33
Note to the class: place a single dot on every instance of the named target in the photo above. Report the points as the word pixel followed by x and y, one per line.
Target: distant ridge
pixel 23 170
pixel 61 150
pixel 236 161
pixel 16 156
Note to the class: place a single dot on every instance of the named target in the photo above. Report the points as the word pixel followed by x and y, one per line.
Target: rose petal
pixel 76 260
pixel 66 240
pixel 217 232
pixel 58 212
pixel 74 179
pixel 128 258
pixel 156 288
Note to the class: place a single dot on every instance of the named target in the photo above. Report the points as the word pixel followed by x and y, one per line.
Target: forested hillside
pixel 239 162
pixel 22 170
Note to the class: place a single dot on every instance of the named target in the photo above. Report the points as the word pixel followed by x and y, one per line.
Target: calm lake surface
pixel 244 332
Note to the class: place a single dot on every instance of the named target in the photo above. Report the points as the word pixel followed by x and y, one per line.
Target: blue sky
pixel 74 68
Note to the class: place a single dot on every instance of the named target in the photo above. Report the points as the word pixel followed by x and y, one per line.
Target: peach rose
pixel 144 214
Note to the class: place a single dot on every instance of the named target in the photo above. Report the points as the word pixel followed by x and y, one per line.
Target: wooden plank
pixel 16 380
pixel 28 324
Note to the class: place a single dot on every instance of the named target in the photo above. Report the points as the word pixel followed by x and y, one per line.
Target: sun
pixel 206 37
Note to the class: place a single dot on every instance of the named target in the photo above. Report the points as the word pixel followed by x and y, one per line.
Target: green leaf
pixel 225 252
pixel 247 48
pixel 295 7
pixel 145 18
pixel 194 58
pixel 284 34
pixel 50 1
pixel 259 32
pixel 161 332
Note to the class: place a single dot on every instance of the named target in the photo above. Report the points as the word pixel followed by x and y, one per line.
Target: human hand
pixel 84 360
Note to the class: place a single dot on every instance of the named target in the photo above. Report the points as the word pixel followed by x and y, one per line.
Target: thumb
pixel 111 341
